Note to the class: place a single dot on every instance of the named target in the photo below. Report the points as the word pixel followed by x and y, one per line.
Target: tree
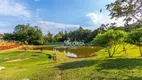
pixel 49 37
pixel 25 45
pixel 8 36
pixel 128 9
pixel 22 32
pixel 87 35
pixel 81 34
pixel 66 36
pixel 35 36
pixel 135 37
pixel 110 40
pixel 58 37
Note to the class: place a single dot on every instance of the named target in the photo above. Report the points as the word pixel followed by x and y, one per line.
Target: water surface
pixel 74 51
pixel 78 51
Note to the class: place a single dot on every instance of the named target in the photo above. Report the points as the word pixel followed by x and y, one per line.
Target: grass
pixel 25 68
pixel 132 52
pixel 38 66
pixel 109 69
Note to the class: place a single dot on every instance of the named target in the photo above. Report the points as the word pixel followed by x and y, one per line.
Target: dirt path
pixel 16 60
pixel 59 76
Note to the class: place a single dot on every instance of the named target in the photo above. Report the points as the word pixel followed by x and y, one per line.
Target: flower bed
pixel 8 45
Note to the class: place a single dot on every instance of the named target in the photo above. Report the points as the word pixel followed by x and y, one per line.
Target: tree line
pixel 33 35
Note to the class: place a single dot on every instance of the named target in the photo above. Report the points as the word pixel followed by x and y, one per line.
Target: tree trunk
pixel 109 52
pixel 112 54
pixel 140 50
pixel 41 49
pixel 124 48
pixel 24 48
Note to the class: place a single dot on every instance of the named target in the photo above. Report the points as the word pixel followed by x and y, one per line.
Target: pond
pixel 75 51
pixel 78 51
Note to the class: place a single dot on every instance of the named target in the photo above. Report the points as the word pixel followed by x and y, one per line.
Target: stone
pixel 2 68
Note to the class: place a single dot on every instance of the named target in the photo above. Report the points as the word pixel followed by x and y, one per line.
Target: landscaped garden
pixel 37 65
pixel 112 55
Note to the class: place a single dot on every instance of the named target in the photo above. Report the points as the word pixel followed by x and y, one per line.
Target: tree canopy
pixel 110 40
pixel 128 9
pixel 33 35
pixel 135 37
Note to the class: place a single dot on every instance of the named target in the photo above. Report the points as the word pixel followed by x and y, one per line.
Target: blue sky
pixel 53 15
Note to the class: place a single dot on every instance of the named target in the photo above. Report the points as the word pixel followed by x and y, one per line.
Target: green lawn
pixel 38 66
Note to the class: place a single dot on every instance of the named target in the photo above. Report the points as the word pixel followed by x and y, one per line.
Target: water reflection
pixel 78 51
pixel 73 51
pixel 70 54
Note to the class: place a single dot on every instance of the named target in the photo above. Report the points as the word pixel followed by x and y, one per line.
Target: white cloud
pixel 13 8
pixel 54 27
pixel 99 19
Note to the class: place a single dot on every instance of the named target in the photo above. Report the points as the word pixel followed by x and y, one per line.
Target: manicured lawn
pixel 38 66
pixel 21 64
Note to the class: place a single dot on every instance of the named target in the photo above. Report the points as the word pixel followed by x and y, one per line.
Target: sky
pixel 54 15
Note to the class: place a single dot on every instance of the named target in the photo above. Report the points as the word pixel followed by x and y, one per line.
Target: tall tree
pixel 32 35
pixel 58 37
pixel 21 32
pixel 50 37
pixel 81 34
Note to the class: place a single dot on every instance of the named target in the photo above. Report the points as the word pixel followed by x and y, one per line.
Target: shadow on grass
pixel 119 63
pixel 134 78
pixel 118 78
pixel 78 64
